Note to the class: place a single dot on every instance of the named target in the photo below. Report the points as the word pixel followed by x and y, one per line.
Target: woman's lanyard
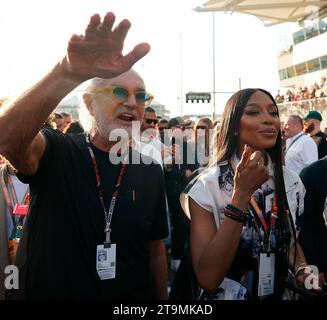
pixel 267 230
pixel 108 214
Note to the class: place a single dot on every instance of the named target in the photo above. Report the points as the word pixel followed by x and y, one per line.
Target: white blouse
pixel 213 191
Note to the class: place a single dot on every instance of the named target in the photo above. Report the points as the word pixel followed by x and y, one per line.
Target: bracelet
pixel 235 214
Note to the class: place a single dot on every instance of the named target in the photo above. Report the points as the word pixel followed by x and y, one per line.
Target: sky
pixel 34 36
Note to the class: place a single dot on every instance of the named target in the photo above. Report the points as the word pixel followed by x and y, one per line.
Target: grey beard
pixel 105 129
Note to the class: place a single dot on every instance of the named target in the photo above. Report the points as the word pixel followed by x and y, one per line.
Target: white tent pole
pixel 181 71
pixel 213 66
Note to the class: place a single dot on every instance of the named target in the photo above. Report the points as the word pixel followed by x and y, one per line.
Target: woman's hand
pixel 98 53
pixel 250 174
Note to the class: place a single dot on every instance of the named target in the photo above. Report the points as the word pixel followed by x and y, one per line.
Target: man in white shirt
pixel 301 150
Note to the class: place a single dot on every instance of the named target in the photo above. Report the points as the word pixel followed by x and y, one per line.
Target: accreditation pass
pixel 106 262
pixel 266 274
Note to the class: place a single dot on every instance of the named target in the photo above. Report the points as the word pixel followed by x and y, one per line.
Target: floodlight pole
pixel 213 66
pixel 181 70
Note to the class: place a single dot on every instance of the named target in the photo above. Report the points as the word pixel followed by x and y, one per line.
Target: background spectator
pixel 74 127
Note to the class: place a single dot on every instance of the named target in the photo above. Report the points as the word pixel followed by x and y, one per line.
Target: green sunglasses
pixel 122 94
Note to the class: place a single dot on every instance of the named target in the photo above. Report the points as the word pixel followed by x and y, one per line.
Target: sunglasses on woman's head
pixel 122 94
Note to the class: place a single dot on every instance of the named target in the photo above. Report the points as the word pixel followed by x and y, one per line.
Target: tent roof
pixel 269 11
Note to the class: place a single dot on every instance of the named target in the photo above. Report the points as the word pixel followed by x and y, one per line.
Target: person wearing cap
pixel 175 123
pixel 312 123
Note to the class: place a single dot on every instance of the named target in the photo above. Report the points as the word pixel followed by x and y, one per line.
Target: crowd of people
pixel 314 91
pixel 127 209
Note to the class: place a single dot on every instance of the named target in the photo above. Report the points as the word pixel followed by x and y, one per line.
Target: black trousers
pixel 180 227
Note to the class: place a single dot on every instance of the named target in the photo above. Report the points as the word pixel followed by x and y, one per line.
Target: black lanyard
pixel 108 214
pixel 294 142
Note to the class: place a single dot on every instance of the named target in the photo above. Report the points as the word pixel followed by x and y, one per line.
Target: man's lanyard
pixel 294 141
pixel 274 215
pixel 108 214
pixel 12 203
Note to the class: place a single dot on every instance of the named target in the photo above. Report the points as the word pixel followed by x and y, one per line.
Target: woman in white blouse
pixel 238 250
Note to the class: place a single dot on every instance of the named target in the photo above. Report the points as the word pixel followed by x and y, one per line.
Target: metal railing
pixel 302 107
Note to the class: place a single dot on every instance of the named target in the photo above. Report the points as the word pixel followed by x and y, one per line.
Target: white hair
pixel 97 83
pixel 98 123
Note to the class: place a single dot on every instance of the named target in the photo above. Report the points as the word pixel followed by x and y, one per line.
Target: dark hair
pixel 209 124
pixel 207 121
pixel 65 114
pixel 163 121
pixel 228 145
pixel 74 128
pixel 149 109
pixel 175 122
pixel 49 123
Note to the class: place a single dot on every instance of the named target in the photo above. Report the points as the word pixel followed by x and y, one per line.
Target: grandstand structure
pixel 270 12
pixel 303 66
pixel 303 69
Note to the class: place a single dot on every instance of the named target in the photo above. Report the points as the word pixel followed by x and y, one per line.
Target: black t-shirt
pixel 175 177
pixel 321 139
pixel 67 222
pixel 313 233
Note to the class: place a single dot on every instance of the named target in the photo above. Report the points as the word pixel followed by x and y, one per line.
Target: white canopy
pixel 270 12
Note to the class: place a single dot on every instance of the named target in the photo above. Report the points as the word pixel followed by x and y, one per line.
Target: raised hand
pixel 250 174
pixel 98 53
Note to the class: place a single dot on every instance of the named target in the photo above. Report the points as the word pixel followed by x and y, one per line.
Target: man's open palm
pixel 98 53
